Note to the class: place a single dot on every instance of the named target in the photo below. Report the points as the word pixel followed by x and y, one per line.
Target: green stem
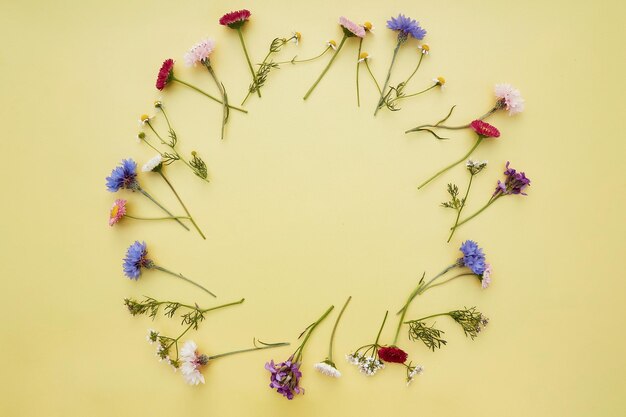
pixel 181 276
pixel 343 40
pixel 298 61
pixel 220 86
pixel 152 146
pixel 298 353
pixel 464 157
pixel 234 352
pixel 332 335
pixel 358 56
pixel 460 127
pixel 458 214
pixel 208 95
pixel 418 93
pixel 418 290
pixel 367 65
pixel 446 281
pixel 490 202
pixel 424 287
pixel 381 100
pixel 428 317
pixel 414 71
pixel 181 203
pixel 245 51
pixel 144 192
pixel 381 328
pixel 156 218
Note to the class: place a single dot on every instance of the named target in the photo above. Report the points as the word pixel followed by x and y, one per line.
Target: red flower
pixel 165 74
pixel 235 20
pixel 392 354
pixel 485 129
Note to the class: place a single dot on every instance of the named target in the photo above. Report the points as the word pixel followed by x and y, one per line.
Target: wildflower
pixel 235 20
pixel 392 354
pixel 473 257
pixel 144 119
pixel 152 336
pixel 424 48
pixel 331 43
pixel 440 81
pixel 484 129
pixel 416 370
pixel 123 177
pixel 192 362
pixel 297 37
pixel 368 27
pixel 166 74
pixel 153 164
pixel 474 167
pixel 118 211
pixel 327 368
pixel 485 279
pixel 364 56
pixel 200 52
pixel 366 358
pixel 351 28
pixel 509 98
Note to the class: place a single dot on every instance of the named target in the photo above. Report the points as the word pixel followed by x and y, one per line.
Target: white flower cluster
pixel 190 368
pixel 327 369
pixel 368 365
pixel 474 167
pixel 418 370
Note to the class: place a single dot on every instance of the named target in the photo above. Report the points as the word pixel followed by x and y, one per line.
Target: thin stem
pixel 424 287
pixel 381 328
pixel 156 218
pixel 446 281
pixel 298 61
pixel 428 317
pixel 245 51
pixel 181 276
pixel 358 56
pixel 298 353
pixel 418 93
pixel 464 157
pixel 381 100
pixel 308 93
pixel 414 71
pixel 234 352
pixel 220 86
pixel 208 95
pixel 459 127
pixel 206 310
pixel 332 335
pixel 421 285
pixel 181 203
pixel 463 201
pixel 367 65
pixel 144 192
pixel 490 202
pixel 152 146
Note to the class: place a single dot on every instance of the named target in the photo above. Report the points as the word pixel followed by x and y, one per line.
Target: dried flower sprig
pixel 285 376
pixel 125 177
pixel 473 167
pixel 267 64
pixel 471 320
pixel 119 211
pixel 406 27
pixel 507 98
pixel 366 357
pixel 350 29
pixel 514 184
pixel 483 130
pixel 137 258
pixel 328 365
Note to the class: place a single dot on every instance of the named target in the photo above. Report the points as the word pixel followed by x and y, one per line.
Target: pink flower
pixel 485 129
pixel 200 52
pixel 117 211
pixel 486 277
pixel 509 98
pixel 166 72
pixel 356 30
pixel 235 20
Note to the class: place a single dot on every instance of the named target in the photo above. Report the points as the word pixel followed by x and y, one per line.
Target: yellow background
pixel 310 202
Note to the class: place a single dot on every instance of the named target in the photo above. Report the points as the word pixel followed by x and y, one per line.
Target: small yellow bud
pixel 141 135
pixel 368 26
pixel 193 153
pixel 332 43
pixel 425 48
pixel 441 80
pixel 363 56
pixel 298 35
pixel 144 117
pixel 158 104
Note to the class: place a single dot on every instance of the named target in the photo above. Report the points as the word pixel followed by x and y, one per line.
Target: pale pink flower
pixel 486 278
pixel 509 98
pixel 357 30
pixel 199 52
pixel 191 363
pixel 117 211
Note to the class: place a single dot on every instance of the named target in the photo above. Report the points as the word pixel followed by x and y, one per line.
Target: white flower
pixel 331 43
pixel 511 97
pixel 327 369
pixel 152 164
pixel 199 52
pixel 144 119
pixel 418 370
pixel 296 36
pixel 364 56
pixel 424 48
pixel 152 336
pixel 191 363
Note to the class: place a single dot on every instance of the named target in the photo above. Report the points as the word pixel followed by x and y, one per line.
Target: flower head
pixel 117 211
pixel 406 27
pixel 473 257
pixel 392 354
pixel 416 370
pixel 200 52
pixel 285 377
pixel 424 48
pixel 474 167
pixel 509 98
pixel 515 182
pixel 192 362
pixel 364 56
pixel 368 365
pixel 235 20
pixel 136 258
pixel 144 119
pixel 297 37
pixel 166 73
pixel 350 28
pixel 368 26
pixel 327 368
pixel 485 278
pixel 332 44
pixel 123 176
pixel 152 336
pixel 484 129
pixel 440 81
pixel 154 164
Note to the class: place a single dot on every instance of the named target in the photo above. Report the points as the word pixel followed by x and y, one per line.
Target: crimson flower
pixel 235 20
pixel 166 73
pixel 484 129
pixel 392 354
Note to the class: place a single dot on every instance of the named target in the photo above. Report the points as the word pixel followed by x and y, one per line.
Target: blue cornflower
pixel 473 257
pixel 123 176
pixel 136 258
pixel 407 26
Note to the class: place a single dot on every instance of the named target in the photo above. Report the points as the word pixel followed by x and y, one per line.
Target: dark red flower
pixel 485 129
pixel 392 354
pixel 165 74
pixel 235 20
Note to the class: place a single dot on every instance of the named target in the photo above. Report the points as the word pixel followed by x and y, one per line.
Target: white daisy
pixel 418 370
pixel 331 43
pixel 152 164
pixel 327 369
pixel 191 363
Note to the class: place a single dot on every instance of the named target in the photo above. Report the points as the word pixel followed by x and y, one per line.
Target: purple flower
pixel 123 176
pixel 514 183
pixel 473 257
pixel 136 258
pixel 406 26
pixel 285 377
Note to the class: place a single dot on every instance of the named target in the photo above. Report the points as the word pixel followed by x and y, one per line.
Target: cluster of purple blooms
pixel 285 377
pixel 473 257
pixel 123 176
pixel 136 258
pixel 515 183
pixel 406 27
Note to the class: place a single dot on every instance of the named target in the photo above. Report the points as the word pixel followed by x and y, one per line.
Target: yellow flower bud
pixel 368 26
pixel 441 80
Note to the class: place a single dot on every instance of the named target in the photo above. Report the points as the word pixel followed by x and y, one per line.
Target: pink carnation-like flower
pixel 485 129
pixel 235 20
pixel 509 98
pixel 165 74
pixel 200 52
pixel 356 30
pixel 117 211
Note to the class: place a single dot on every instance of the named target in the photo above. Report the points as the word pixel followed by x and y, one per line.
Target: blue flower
pixel 473 257
pixel 123 176
pixel 407 26
pixel 136 259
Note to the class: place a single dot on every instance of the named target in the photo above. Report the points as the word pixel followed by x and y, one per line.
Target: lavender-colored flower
pixel 136 258
pixel 123 176
pixel 406 26
pixel 515 182
pixel 473 257
pixel 285 377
